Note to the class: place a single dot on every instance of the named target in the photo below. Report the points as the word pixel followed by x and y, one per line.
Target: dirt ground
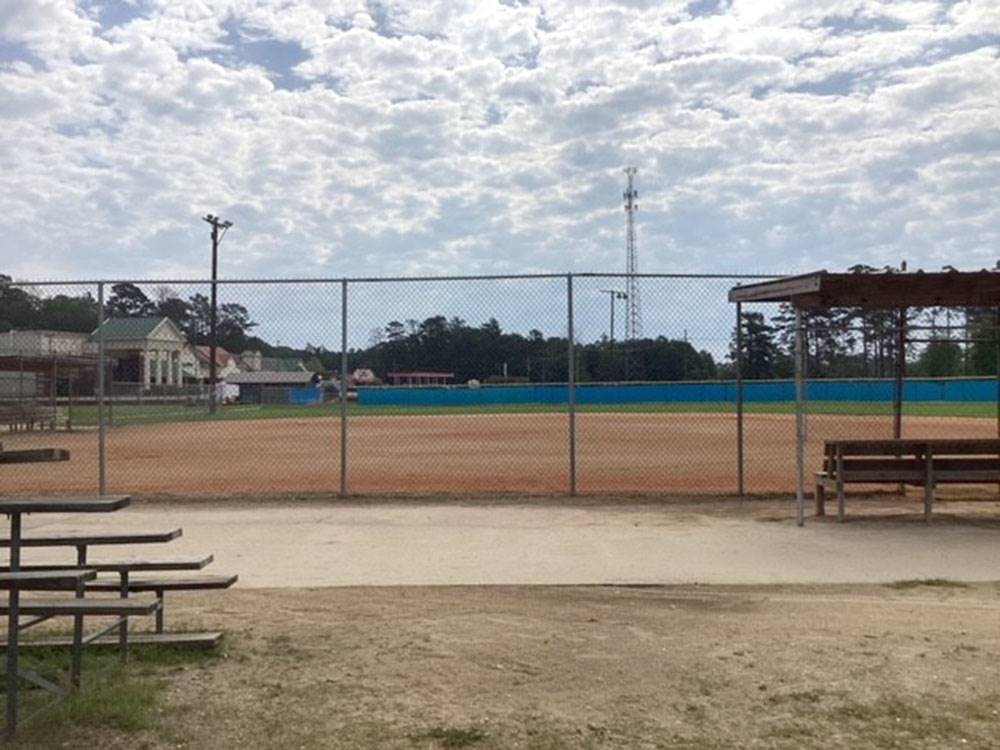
pixel 588 667
pixel 508 453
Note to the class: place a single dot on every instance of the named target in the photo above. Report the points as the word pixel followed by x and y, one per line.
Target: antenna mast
pixel 633 317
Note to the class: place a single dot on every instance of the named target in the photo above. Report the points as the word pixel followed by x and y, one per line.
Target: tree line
pixel 838 342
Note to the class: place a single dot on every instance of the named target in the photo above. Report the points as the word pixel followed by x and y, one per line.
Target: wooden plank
pixel 95 607
pixel 877 290
pixel 77 538
pixel 37 455
pixel 103 504
pixel 207 640
pixel 962 446
pixel 118 566
pixel 777 290
pixel 24 578
pixel 192 583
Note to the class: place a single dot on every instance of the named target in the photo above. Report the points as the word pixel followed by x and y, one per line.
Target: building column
pixel 147 370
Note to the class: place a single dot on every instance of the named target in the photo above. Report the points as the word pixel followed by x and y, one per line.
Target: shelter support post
pixel 897 394
pixel 800 431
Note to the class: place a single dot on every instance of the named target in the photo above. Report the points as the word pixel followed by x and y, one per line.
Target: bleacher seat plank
pixel 76 539
pixel 207 640
pixel 36 455
pixel 193 583
pixel 25 579
pixel 128 566
pixel 96 607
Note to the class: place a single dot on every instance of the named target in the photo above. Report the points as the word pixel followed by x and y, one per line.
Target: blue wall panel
pixel 965 389
pixel 306 395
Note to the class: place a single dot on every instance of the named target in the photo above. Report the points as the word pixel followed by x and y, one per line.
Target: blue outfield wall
pixel 305 395
pixel 922 389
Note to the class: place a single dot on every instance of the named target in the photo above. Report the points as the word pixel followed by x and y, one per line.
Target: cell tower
pixel 633 317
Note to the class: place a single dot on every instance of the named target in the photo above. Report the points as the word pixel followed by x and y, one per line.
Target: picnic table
pixel 924 462
pixel 82 577
pixel 16 578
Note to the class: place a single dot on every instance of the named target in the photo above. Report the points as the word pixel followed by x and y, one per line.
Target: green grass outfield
pixel 84 416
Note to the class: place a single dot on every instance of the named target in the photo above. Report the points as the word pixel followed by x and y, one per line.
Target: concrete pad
pixel 416 543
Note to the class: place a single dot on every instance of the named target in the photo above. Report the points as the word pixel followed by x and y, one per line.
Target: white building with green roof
pixel 147 351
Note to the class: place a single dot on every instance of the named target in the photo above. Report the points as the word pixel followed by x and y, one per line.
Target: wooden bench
pixel 20 417
pixel 923 463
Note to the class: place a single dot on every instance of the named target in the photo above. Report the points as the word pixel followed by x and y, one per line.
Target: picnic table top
pixel 126 566
pixel 34 455
pixel 83 538
pixel 7 579
pixel 102 504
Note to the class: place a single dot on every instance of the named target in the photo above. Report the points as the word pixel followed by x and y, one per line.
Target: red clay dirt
pixel 450 454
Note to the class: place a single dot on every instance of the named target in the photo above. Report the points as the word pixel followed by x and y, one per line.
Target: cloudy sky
pixel 487 136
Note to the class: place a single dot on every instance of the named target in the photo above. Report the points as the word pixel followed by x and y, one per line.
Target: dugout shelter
pixel 889 290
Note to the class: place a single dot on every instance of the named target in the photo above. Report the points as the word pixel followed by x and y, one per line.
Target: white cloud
pixel 446 136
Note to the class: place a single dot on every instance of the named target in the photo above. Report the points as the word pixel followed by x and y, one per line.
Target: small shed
pixel 270 387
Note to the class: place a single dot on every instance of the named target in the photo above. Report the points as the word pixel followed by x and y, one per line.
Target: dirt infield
pixel 621 453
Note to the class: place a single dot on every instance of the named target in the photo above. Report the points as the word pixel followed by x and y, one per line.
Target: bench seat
pixel 93 607
pixel 194 583
pixel 88 539
pixel 923 463
pixel 207 640
pixel 128 566
pixel 45 579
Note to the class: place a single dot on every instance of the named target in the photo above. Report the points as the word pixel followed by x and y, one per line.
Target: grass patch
pixel 912 583
pixel 135 414
pixel 114 698
pixel 453 737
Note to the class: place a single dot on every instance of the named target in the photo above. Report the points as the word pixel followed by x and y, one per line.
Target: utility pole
pixel 613 294
pixel 217 236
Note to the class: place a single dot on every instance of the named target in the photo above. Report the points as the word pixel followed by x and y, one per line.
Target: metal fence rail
pixel 515 384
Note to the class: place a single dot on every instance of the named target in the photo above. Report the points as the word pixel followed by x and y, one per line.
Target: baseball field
pixel 527 452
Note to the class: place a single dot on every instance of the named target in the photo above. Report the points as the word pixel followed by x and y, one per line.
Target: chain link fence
pixel 521 385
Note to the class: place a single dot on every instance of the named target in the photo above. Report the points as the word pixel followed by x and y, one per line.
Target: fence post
pixel 800 427
pixel 342 390
pixel 739 399
pixel 102 431
pixel 571 383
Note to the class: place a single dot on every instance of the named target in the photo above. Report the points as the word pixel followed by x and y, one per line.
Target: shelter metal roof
pixel 823 289
pixel 269 377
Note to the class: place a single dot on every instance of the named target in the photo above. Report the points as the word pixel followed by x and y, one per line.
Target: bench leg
pixel 928 487
pixel 840 485
pixel 77 666
pixel 820 500
pixel 123 627
pixel 159 612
